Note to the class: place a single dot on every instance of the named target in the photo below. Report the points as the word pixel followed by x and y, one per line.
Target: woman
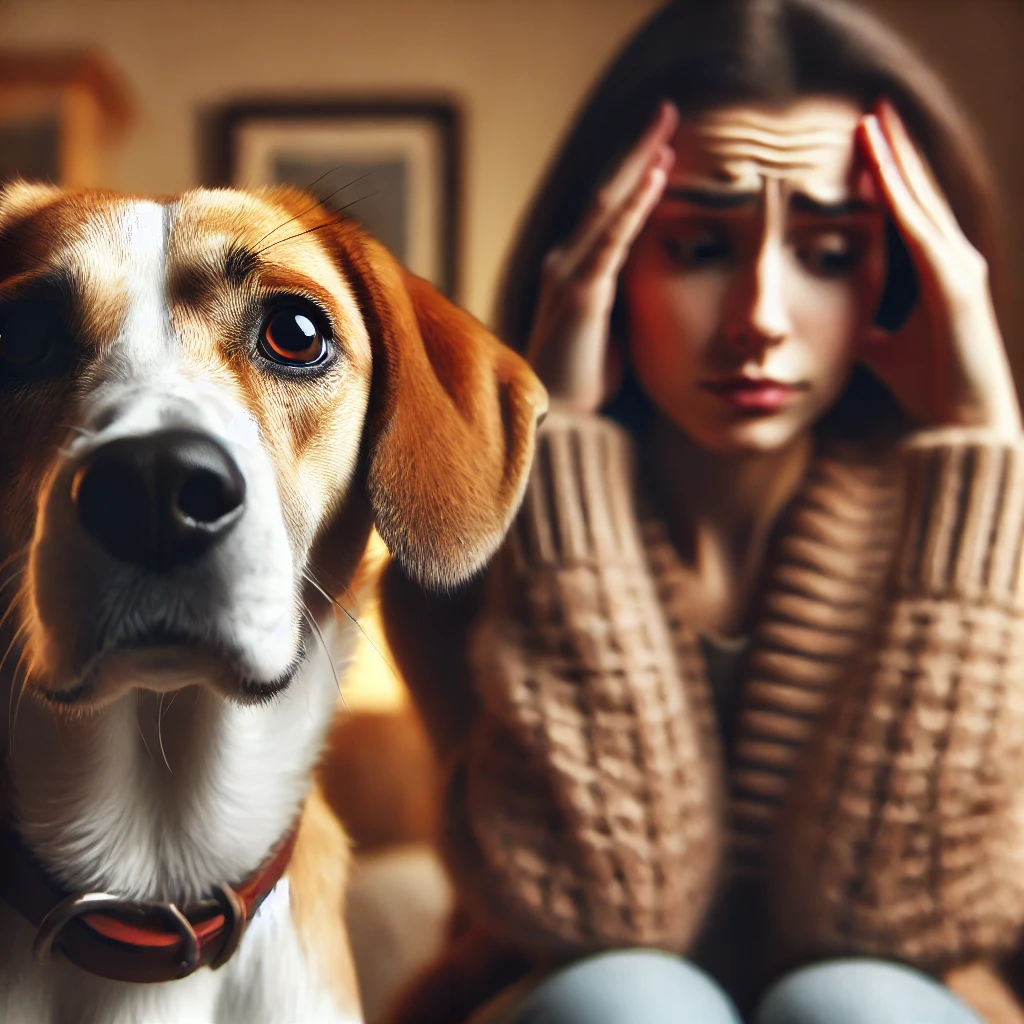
pixel 746 683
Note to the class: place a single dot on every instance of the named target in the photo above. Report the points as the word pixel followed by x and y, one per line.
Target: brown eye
pixel 291 335
pixel 829 253
pixel 26 335
pixel 699 249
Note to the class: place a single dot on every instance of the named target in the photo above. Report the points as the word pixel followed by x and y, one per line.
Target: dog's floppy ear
pixel 450 432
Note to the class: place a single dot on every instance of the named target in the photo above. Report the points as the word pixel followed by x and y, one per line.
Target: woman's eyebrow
pixel 803 203
pixel 712 199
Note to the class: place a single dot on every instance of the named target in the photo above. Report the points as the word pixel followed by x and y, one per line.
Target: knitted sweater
pixel 872 790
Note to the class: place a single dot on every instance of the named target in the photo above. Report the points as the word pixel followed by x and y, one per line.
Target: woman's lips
pixel 756 394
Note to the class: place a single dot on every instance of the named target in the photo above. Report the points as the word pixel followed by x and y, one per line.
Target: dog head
pixel 201 396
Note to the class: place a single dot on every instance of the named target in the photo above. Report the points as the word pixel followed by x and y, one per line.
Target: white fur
pixel 166 785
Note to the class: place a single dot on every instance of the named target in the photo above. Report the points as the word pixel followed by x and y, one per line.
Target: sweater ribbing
pixel 873 786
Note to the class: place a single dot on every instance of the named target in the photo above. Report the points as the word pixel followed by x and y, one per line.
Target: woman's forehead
pixel 809 145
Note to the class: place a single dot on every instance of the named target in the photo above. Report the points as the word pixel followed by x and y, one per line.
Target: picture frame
pixel 61 111
pixel 391 164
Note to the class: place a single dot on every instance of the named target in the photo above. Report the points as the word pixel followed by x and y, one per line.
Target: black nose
pixel 159 500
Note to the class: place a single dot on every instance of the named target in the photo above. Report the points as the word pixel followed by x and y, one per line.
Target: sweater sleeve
pixel 904 832
pixel 582 813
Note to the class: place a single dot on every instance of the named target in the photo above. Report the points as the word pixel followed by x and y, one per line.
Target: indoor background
pixel 516 68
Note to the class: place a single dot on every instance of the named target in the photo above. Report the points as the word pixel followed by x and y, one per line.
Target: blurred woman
pixel 746 685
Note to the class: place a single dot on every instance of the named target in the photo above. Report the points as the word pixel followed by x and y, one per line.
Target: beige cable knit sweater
pixel 873 791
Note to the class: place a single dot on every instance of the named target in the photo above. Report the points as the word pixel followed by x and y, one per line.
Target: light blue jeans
pixel 646 987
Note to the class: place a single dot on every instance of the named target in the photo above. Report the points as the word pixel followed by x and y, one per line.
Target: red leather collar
pixel 128 940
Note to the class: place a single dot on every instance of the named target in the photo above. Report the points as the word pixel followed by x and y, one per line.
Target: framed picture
pixel 391 165
pixel 60 111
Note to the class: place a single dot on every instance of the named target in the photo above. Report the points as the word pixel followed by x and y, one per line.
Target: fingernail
pixel 888 111
pixel 668 113
pixel 866 186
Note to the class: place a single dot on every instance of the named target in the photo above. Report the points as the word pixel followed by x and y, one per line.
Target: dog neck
pixel 161 796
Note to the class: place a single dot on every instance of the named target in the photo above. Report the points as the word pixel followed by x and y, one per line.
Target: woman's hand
pixel 569 341
pixel 946 365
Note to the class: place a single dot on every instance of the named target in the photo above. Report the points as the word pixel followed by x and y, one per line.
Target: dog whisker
pixel 75 428
pixel 318 227
pixel 337 604
pixel 11 706
pixel 6 564
pixel 14 640
pixel 298 234
pixel 334 579
pixel 160 733
pixel 323 643
pixel 15 602
pixel 12 557
pixel 21 693
pixel 314 205
pixel 142 734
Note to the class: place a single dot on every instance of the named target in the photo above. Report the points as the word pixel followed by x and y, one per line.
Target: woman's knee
pixel 624 988
pixel 861 992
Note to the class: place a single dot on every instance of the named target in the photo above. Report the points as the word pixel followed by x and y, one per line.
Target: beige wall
pixel 518 66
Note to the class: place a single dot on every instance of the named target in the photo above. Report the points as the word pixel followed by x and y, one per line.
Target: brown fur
pixel 318 877
pixel 379 777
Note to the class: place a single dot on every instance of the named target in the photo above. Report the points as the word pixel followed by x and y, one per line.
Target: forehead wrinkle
pixel 775 139
pixel 810 135
pixel 771 161
pixel 810 113
pixel 748 191
pixel 741 149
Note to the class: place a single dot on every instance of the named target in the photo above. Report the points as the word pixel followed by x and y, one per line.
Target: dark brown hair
pixel 703 54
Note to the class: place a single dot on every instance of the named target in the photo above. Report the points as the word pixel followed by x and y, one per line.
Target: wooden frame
pixel 393 163
pixel 59 112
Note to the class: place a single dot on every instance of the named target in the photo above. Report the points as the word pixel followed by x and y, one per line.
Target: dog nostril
pixel 113 502
pixel 207 497
pixel 159 500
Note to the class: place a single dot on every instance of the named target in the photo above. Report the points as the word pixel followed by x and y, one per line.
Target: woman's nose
pixel 759 317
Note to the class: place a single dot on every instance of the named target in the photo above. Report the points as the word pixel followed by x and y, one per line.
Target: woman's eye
pixel 291 335
pixel 27 334
pixel 699 249
pixel 830 254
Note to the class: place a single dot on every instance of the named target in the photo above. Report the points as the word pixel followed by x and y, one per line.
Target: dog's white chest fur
pixel 254 786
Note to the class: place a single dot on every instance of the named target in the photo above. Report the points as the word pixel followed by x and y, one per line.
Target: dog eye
pixel 27 334
pixel 291 335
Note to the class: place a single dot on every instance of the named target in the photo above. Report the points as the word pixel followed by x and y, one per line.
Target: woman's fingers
pixel 569 342
pixel 622 186
pixel 916 172
pixel 611 248
pixel 628 176
pixel 949 367
pixel 904 207
pixel 924 239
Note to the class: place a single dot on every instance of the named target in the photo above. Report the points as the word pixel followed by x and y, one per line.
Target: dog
pixel 206 405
